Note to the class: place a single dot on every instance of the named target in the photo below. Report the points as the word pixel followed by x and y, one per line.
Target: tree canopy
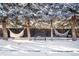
pixel 45 11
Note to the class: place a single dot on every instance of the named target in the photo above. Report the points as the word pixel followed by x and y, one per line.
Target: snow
pixel 14 47
pixel 43 10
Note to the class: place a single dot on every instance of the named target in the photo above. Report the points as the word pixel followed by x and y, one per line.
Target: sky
pixel 39 1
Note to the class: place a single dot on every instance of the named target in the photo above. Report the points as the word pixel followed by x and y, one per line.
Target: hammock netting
pixel 12 34
pixel 61 34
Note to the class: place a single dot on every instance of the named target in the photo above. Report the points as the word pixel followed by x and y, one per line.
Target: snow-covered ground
pixel 39 48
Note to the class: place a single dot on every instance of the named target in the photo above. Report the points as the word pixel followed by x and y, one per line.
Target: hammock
pixel 16 35
pixel 61 34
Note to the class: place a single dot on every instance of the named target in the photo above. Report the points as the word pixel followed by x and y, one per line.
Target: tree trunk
pixel 5 34
pixel 51 30
pixel 28 33
pixel 28 28
pixel 73 28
